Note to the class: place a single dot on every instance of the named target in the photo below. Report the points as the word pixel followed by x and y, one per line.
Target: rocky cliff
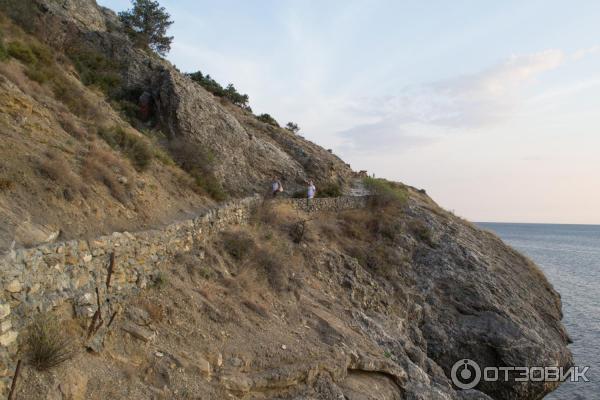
pixel 350 298
pixel 57 46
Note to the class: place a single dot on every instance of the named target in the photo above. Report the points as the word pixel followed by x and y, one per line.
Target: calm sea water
pixel 569 255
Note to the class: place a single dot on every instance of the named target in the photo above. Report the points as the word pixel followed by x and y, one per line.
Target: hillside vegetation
pixel 96 141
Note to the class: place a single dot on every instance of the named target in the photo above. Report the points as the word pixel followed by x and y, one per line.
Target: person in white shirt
pixel 311 190
pixel 276 187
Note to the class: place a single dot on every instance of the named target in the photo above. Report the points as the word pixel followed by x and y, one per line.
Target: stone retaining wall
pixel 330 203
pixel 47 276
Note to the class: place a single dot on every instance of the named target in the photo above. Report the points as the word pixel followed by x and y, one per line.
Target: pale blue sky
pixel 493 107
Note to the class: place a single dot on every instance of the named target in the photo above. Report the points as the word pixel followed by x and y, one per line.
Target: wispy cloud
pixel 468 101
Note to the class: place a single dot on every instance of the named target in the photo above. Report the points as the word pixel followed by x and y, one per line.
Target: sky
pixel 492 107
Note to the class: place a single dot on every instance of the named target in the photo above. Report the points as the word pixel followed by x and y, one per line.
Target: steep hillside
pixel 72 89
pixel 375 303
pixel 370 297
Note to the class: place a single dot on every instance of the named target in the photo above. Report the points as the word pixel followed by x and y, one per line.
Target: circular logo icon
pixel 466 374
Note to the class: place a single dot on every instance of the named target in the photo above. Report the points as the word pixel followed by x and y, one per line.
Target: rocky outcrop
pixel 481 300
pixel 247 152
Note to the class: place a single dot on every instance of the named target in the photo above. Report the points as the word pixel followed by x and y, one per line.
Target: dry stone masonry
pixel 47 276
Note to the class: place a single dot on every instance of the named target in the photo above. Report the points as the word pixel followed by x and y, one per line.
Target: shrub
pixel 236 98
pixel 46 344
pixel 264 214
pixel 199 163
pixel 211 185
pixel 422 232
pixel 100 165
pixel 386 193
pixel 208 83
pixel 73 96
pixel 266 118
pixel 95 69
pixel 128 109
pixel 298 231
pixel 273 264
pixel 239 245
pixel 230 92
pixel 67 122
pixel 21 52
pixel 40 75
pixel 384 226
pixel 292 127
pixel 159 280
pixel 330 189
pixel 133 146
pixel 55 168
pixel 3 52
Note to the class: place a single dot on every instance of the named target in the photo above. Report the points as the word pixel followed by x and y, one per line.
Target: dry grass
pixel 133 146
pixel 274 215
pixel 421 232
pixel 104 167
pixel 69 125
pixel 199 162
pixel 54 167
pixel 46 343
pixel 238 244
pixel 273 263
pixel 14 73
pixel 154 310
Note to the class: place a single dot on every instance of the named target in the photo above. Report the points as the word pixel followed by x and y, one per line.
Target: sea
pixel 569 255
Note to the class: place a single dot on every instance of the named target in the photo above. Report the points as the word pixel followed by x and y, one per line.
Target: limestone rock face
pixel 247 152
pixel 481 300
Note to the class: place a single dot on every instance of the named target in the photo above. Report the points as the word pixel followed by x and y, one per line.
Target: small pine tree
pixel 147 23
pixel 292 127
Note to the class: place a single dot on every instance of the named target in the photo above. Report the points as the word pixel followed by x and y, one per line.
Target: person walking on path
pixel 310 192
pixel 276 187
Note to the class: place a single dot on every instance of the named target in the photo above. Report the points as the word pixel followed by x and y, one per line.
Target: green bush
pixel 21 52
pixel 386 193
pixel 199 162
pixel 266 118
pixel 134 147
pixel 42 53
pixel 96 70
pixel 292 127
pixel 211 185
pixel 3 52
pixel 330 189
pixel 422 232
pixel 159 280
pixel 46 343
pixel 40 75
pixel 230 92
pixel 72 96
